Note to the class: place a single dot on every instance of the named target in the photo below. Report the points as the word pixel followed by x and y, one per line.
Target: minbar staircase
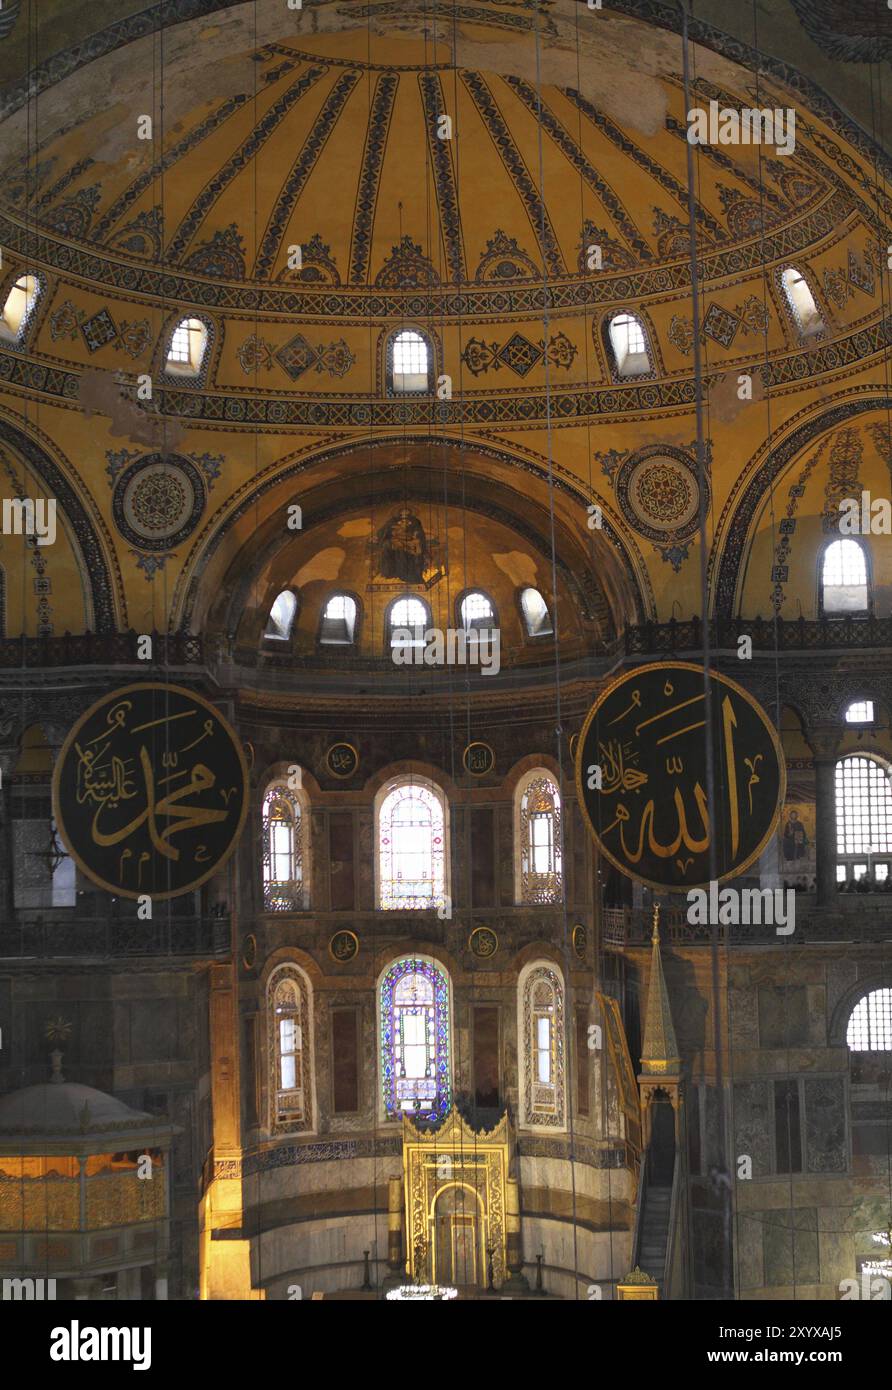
pixel 653 1232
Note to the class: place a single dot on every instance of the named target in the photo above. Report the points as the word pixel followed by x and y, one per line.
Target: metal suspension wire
pixel 722 1176
pixel 569 1060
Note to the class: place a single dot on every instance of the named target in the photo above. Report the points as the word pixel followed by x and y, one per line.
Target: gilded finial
pixel 655 937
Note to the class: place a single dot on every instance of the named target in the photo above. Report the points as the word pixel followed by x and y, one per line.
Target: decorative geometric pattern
pixel 144 180
pixel 144 236
pixel 513 161
pixel 613 256
pixel 301 170
pixel 518 354
pixel 73 217
pixel 241 159
pixel 157 501
pixel 476 299
pixel 372 160
pixel 444 176
pixel 720 325
pixel 99 330
pixel 658 494
pixel 850 30
pixel 681 333
pixel 666 180
pixel 406 267
pixel 569 147
pixel 296 356
pixel 504 260
pixel 846 454
pixel 223 256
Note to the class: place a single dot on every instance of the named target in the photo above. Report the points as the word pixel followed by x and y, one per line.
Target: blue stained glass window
pixel 415 1064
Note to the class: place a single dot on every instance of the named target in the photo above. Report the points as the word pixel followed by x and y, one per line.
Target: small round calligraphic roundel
pixel 150 791
pixel 642 783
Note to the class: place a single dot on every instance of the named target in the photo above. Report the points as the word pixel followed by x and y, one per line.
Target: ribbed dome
pixel 333 142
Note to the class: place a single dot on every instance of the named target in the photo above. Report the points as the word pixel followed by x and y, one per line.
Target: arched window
pixel 409 361
pixel 863 817
pixel 414 1021
pixel 870 1024
pixel 477 612
pixel 19 307
pixel 844 578
pixel 536 617
pixel 869 1040
pixel 338 621
pixel 411 846
pixel 290 1021
pixel 628 344
pixel 187 347
pixel 540 1028
pixel 407 621
pixel 537 827
pixel 284 851
pixel 805 311
pixel 860 712
pixel 281 616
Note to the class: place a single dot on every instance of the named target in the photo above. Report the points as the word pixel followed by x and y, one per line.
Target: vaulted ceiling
pixel 321 129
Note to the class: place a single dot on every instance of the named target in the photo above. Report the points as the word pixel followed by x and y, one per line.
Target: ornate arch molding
pixel 95 575
pixel 637 588
pixel 728 567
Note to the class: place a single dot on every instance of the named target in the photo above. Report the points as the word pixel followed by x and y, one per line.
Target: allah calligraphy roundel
pixel 150 791
pixel 642 782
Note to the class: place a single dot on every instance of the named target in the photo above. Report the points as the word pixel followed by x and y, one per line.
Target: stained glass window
pixel 541 1027
pixel 411 847
pixel 539 829
pixel 283 851
pixel 290 1050
pixel 415 1044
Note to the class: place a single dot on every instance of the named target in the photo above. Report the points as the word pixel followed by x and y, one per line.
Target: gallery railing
pixel 797 634
pixel 101 649
pixel 187 649
pixel 862 920
pixel 37 935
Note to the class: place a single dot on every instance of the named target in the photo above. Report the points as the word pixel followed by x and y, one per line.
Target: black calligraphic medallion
pixel 150 791
pixel 479 759
pixel 342 760
pixel 641 776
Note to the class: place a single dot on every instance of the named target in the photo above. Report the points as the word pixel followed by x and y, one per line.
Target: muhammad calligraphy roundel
pixel 642 781
pixel 150 791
